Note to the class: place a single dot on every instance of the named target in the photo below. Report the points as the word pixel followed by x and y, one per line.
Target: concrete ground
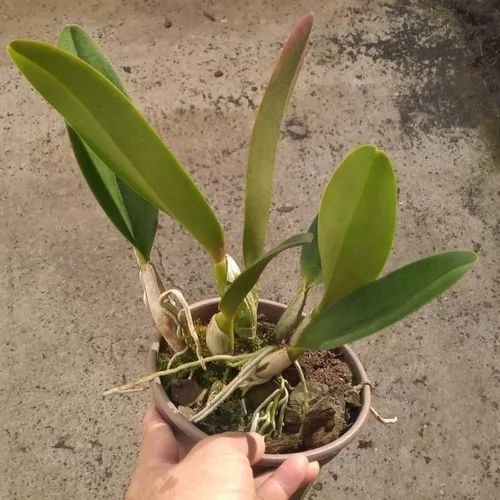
pixel 410 77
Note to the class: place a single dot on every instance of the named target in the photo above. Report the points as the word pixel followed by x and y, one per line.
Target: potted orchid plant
pixel 238 361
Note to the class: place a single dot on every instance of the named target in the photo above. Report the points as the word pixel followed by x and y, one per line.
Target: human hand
pixel 217 468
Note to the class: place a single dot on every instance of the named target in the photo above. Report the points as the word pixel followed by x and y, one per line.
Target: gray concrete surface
pixel 401 75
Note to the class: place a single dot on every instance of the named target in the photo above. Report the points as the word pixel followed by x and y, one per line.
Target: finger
pixel 311 475
pixel 159 445
pixel 249 444
pixel 285 480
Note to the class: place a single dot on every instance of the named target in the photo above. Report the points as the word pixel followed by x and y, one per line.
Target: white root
pixel 175 356
pixel 166 296
pixel 133 391
pixel 306 392
pixel 281 410
pixel 382 419
pixel 246 372
pixel 177 369
pixel 256 418
pixel 274 404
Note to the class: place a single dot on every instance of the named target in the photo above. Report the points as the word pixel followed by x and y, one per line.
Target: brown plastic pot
pixel 188 434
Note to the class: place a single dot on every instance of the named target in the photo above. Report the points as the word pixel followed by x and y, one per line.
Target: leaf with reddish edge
pixel 264 140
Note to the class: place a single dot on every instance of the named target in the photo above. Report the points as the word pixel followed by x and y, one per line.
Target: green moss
pixel 214 371
pixel 263 338
pixel 230 416
pixel 163 359
pixel 243 345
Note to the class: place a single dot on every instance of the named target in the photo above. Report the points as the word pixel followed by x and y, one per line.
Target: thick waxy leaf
pixel 310 261
pixel 119 135
pixel 75 40
pixel 244 283
pixel 264 140
pixel 357 221
pixel 133 216
pixel 385 301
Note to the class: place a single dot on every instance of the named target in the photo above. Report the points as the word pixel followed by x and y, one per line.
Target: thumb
pixel 159 445
pixel 244 444
pixel 285 480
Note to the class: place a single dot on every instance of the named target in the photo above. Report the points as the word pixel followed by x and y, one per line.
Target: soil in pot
pixel 333 401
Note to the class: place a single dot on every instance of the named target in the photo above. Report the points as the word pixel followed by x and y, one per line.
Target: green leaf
pixel 264 140
pixel 385 301
pixel 244 283
pixel 133 216
pixel 75 40
pixel 120 136
pixel 357 221
pixel 310 261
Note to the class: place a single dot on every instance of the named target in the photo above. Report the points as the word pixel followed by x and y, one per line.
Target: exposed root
pixel 358 388
pixel 246 372
pixel 166 301
pixel 267 403
pixel 172 313
pixel 133 391
pixel 274 407
pixel 282 405
pixel 175 356
pixel 306 392
pixel 192 364
pixel 382 419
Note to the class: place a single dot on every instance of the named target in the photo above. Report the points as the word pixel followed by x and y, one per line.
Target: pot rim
pixel 321 454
